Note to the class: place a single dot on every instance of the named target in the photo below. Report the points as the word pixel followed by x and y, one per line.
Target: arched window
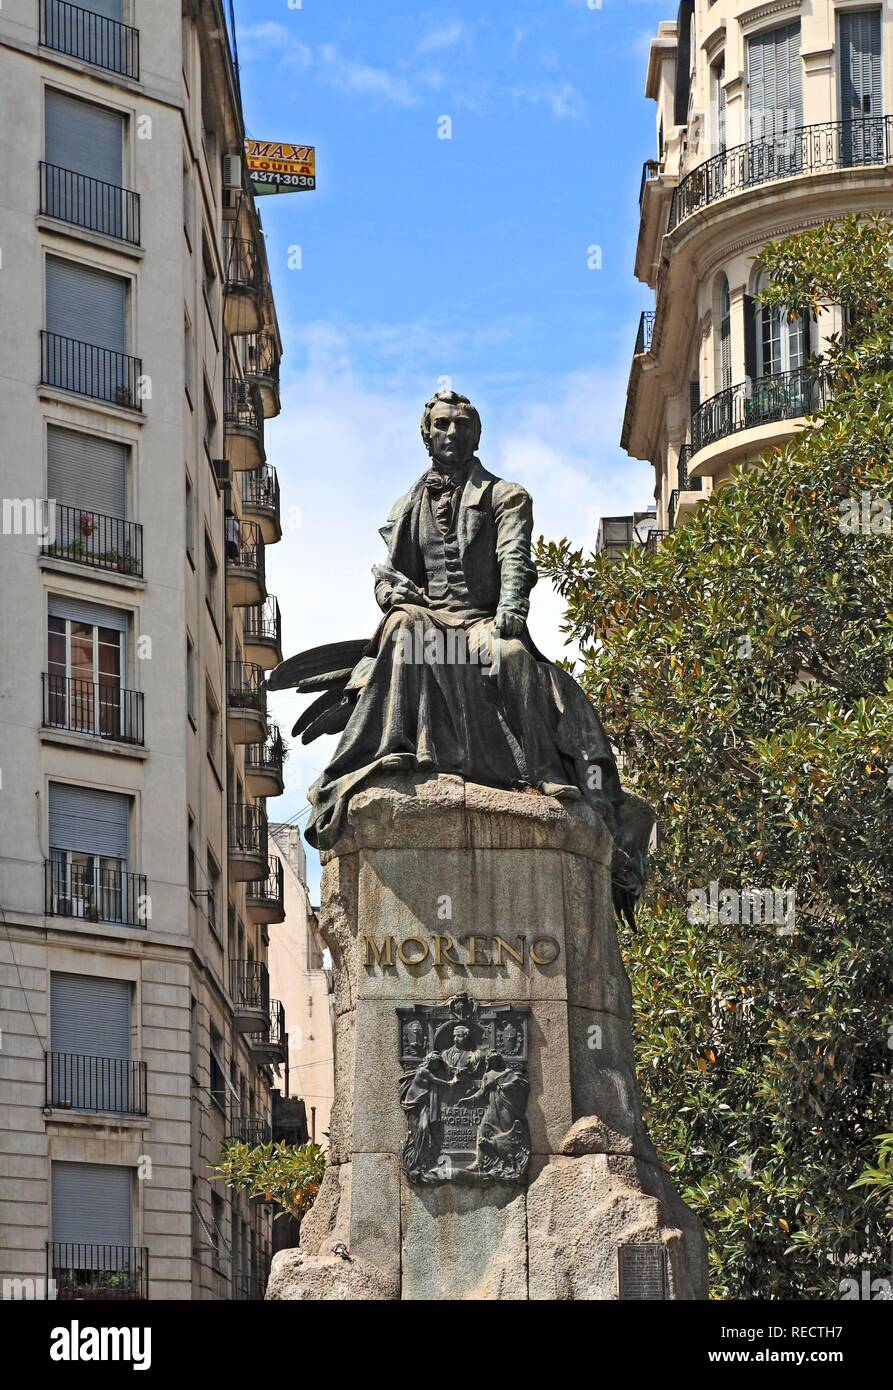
pixel 725 335
pixel 776 344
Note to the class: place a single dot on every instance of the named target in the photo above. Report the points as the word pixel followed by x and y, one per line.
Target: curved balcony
pixel 262 633
pixel 270 1045
pixel 249 987
pixel 756 406
pixel 810 149
pixel 262 366
pixel 243 426
pixel 245 564
pixel 264 765
pixel 645 333
pixel 246 702
pixel 261 502
pixel 247 837
pixel 266 896
pixel 242 305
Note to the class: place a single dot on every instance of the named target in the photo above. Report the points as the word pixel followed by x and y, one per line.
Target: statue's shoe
pixel 397 762
pixel 563 791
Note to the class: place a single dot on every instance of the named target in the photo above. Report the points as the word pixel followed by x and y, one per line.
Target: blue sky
pixel 466 258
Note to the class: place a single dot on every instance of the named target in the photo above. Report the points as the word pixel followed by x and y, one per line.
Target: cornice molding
pixel 759 13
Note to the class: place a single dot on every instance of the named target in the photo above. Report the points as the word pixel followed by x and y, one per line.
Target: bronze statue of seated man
pixel 451 681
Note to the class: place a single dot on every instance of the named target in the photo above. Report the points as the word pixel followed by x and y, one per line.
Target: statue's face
pixel 460 1036
pixel 451 440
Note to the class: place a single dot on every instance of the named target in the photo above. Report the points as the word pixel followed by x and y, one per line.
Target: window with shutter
pixel 774 102
pixel 86 304
pixel 87 471
pixel 90 1042
pixel 861 87
pixel 89 835
pixel 86 666
pixel 92 1203
pixel 83 173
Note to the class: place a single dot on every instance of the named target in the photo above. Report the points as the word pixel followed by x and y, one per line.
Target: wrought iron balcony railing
pixel 809 149
pixel 245 1129
pixel 270 889
pixel 260 490
pixel 654 538
pixel 248 830
pixel 100 709
pixel 263 621
pixel 267 757
pixel 241 264
pixel 90 370
pixel 249 985
pixel 91 37
pixel 89 203
pixel 246 688
pixel 651 170
pixel 78 1082
pixel 91 538
pixel 262 357
pixel 645 333
pixel 687 484
pixel 245 547
pixel 241 406
pixel 274 1034
pixel 784 396
pixel 94 894
pixel 81 1270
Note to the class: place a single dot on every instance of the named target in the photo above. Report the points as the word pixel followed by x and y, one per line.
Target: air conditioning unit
pixel 223 473
pixel 232 182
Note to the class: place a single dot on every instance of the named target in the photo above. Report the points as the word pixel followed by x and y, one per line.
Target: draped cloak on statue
pixel 437 690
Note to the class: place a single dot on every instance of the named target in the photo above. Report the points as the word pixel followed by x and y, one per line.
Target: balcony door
pixel 92 1230
pixel 774 103
pixel 87 661
pixel 86 322
pixel 83 153
pixel 89 838
pixel 863 136
pixel 87 480
pixel 90 1042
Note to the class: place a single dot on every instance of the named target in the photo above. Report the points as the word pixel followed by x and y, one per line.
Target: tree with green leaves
pixel 745 673
pixel 287 1174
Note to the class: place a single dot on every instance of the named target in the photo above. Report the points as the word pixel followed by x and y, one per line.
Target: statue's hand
pixel 407 593
pixel 508 624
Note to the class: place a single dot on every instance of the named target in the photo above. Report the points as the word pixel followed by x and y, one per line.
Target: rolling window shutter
pixel 111 9
pixel 86 304
pixel 89 821
pixel 92 1203
pixel 90 1016
pixel 750 336
pixel 84 470
pixel 84 138
pixel 694 396
pixel 79 611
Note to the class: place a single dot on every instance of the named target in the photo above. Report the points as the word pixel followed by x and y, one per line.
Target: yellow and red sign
pixel 275 167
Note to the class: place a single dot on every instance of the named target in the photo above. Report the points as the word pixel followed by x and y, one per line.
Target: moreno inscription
pixel 464 1091
pixel 470 951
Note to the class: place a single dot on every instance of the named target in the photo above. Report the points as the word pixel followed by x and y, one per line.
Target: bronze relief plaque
pixel 464 1090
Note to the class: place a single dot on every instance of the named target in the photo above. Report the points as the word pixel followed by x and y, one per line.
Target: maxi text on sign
pixel 275 167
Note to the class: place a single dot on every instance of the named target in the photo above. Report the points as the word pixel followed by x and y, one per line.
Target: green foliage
pixel 287 1174
pixel 745 673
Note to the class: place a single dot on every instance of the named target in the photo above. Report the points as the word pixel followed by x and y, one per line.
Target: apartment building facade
pixel 139 360
pixel 770 118
pixel 301 976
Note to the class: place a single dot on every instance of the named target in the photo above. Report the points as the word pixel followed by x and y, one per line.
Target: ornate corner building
pixel 139 362
pixel 771 118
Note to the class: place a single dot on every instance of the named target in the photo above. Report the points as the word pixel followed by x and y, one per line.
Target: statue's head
pixel 451 429
pixel 460 1036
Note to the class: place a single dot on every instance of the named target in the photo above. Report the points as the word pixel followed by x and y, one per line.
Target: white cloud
pixel 447 36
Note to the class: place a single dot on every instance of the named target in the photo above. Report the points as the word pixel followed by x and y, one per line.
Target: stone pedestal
pixel 439 889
